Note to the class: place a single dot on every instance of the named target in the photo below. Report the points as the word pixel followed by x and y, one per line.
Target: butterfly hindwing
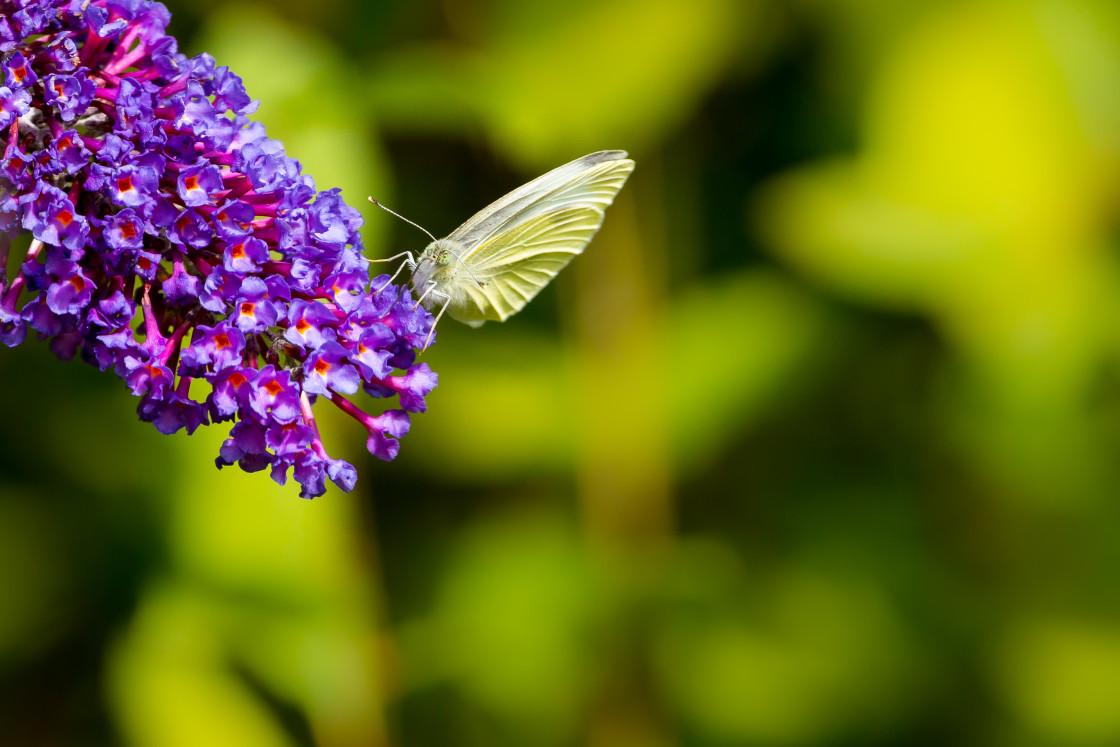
pixel 516 264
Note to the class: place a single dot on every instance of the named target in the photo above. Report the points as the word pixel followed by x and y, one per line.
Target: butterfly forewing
pixel 593 180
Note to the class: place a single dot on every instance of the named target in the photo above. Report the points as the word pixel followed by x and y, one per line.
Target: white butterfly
pixel 491 266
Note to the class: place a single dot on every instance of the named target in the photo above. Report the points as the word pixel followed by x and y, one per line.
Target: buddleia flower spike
pixel 173 242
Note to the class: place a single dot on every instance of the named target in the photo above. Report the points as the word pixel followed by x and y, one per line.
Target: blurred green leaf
pixel 803 655
pixel 551 80
pixel 1062 677
pixel 512 623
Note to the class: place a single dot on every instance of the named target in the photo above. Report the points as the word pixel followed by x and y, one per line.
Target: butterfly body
pixel 438 271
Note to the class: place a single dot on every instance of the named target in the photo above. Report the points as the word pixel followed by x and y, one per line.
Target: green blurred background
pixel 816 445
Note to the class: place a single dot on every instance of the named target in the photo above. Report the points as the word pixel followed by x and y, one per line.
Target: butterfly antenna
pixel 433 238
pixel 406 220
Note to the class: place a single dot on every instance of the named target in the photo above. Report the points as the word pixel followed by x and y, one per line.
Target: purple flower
pixel 18 72
pixel 190 228
pixel 255 308
pixel 276 396
pixel 70 152
pixel 245 447
pixel 100 24
pixel 68 94
pixel 30 19
pixel 13 328
pixel 124 231
pixel 245 255
pixel 412 387
pixel 348 288
pixel 312 472
pixel 328 369
pixel 198 114
pixel 148 378
pixel 113 149
pixel 134 183
pixel 288 439
pixel 219 290
pixel 181 285
pixel 50 216
pixel 384 431
pixel 134 109
pixel 8 36
pixel 214 348
pixel 113 312
pixel 13 104
pixel 198 182
pixel 332 221
pixel 39 317
pixel 371 356
pixel 233 391
pixel 64 52
pixel 232 220
pixel 173 412
pixel 310 324
pixel 178 246
pixel 229 92
pixel 71 293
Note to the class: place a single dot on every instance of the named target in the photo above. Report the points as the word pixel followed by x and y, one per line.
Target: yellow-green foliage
pixel 815 445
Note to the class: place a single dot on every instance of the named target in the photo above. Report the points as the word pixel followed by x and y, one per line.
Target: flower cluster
pixel 177 245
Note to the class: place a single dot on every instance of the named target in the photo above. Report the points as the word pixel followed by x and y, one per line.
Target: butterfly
pixel 491 266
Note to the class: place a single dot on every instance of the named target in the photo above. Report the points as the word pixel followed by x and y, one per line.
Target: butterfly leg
pixel 409 261
pixel 446 301
pixel 430 289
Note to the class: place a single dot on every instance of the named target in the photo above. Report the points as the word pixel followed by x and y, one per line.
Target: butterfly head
pixel 441 253
pixel 436 263
pixel 442 260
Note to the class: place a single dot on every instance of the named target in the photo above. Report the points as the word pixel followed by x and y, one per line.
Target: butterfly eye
pixel 444 259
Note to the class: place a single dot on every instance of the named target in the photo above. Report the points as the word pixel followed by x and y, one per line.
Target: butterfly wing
pixel 592 180
pixel 519 243
pixel 516 264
